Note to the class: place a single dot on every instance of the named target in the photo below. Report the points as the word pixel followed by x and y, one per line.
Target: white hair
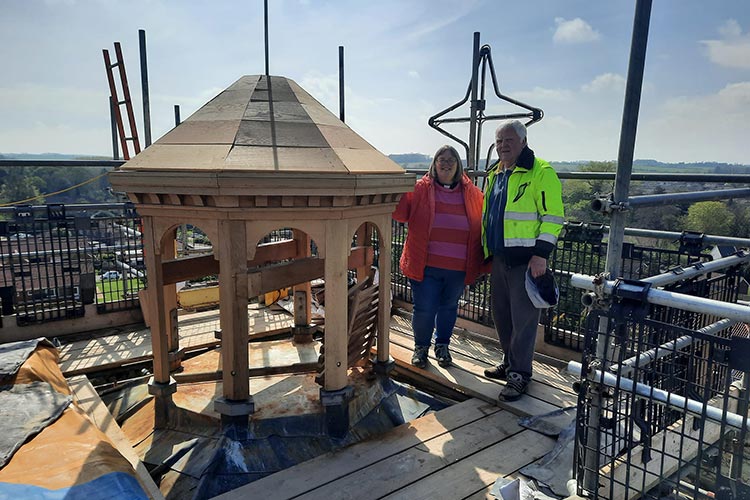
pixel 518 127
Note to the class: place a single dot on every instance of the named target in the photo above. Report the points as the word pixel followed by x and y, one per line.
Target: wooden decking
pixel 457 452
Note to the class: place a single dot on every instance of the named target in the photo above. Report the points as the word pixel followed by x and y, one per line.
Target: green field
pixel 114 290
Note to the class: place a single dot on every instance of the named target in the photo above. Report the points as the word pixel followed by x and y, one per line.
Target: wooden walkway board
pixel 131 345
pixel 90 402
pixel 457 452
pixel 441 447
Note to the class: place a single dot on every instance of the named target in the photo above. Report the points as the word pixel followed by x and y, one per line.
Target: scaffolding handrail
pixel 670 399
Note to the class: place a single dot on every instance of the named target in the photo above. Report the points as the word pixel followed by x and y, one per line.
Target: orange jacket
pixel 417 209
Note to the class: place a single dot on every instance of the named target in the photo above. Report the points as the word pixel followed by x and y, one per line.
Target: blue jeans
pixel 436 304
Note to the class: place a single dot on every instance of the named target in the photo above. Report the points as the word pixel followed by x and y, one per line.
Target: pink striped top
pixel 447 248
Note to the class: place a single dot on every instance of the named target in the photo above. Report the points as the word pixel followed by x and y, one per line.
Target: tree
pixel 710 217
pixel 578 194
pixel 19 185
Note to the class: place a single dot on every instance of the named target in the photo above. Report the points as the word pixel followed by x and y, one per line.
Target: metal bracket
pixel 23 213
pixel 55 211
pixel 629 300
pixel 645 429
pixel 691 243
pixel 739 354
pixel 605 204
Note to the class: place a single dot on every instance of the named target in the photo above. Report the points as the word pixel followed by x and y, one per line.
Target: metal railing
pixel 668 397
pixel 56 259
pixel 581 249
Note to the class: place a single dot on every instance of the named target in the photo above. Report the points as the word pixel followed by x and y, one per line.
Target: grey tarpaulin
pixel 555 469
pixel 25 410
pixel 14 354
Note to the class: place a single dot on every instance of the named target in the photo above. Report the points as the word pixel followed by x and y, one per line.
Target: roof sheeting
pixel 254 127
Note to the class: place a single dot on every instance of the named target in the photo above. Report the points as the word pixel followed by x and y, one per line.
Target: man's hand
pixel 537 265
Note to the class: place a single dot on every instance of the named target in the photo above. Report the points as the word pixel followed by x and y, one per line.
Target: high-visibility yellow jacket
pixel 533 214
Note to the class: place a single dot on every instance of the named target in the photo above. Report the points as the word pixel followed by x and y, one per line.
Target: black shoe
pixel 514 388
pixel 443 355
pixel 419 359
pixel 498 373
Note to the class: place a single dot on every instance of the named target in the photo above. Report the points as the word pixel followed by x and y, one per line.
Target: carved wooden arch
pixel 165 226
pixel 256 230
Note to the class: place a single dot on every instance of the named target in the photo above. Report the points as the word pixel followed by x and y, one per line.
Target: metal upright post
pixel 265 30
pixel 627 133
pixel 176 114
pixel 113 124
pixel 341 83
pixel 471 161
pixel 144 89
pixel 617 223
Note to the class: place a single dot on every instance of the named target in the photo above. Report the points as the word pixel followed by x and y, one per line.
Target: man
pixel 522 218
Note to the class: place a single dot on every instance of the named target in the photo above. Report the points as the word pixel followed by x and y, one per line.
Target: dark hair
pixel 454 153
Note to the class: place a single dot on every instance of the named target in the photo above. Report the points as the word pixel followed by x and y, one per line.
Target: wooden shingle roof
pixel 251 127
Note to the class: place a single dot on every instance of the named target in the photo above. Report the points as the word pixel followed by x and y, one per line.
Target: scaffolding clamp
pixel 691 243
pixel 739 354
pixel 606 204
pixel 630 300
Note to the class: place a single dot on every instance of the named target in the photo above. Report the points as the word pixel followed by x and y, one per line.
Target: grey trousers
pixel 515 317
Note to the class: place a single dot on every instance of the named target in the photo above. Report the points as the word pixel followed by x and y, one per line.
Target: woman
pixel 443 251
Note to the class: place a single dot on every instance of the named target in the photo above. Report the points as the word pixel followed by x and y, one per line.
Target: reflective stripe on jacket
pixel 533 214
pixel 417 209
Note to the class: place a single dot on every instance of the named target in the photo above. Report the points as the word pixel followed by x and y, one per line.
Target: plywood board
pixel 284 159
pixel 247 82
pixel 321 115
pixel 280 134
pixel 343 137
pixel 282 111
pixel 228 105
pixel 418 462
pixel 326 468
pixel 477 472
pixel 359 161
pixel 202 132
pixel 187 157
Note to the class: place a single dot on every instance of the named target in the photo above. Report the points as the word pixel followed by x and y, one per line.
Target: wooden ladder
pixel 116 103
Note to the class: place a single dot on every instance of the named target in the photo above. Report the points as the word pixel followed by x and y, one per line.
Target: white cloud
pixel 733 50
pixel 710 127
pixel 574 31
pixel 605 82
pixel 731 28
pixel 414 74
pixel 542 94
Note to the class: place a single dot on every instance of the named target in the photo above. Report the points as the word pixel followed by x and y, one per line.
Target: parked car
pixel 111 275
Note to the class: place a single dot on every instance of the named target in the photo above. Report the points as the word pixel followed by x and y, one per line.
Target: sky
pixel 405 60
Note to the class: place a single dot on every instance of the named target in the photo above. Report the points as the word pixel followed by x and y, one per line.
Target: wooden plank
pixel 88 400
pixel 473 385
pixel 203 265
pixel 331 466
pixel 487 353
pixel 472 379
pixel 476 472
pixel 670 449
pixel 388 476
pixel 278 276
pixel 196 331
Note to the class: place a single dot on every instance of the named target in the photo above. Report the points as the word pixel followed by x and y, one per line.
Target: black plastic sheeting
pixel 284 442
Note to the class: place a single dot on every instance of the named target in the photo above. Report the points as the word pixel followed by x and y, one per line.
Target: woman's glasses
pixel 447 160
